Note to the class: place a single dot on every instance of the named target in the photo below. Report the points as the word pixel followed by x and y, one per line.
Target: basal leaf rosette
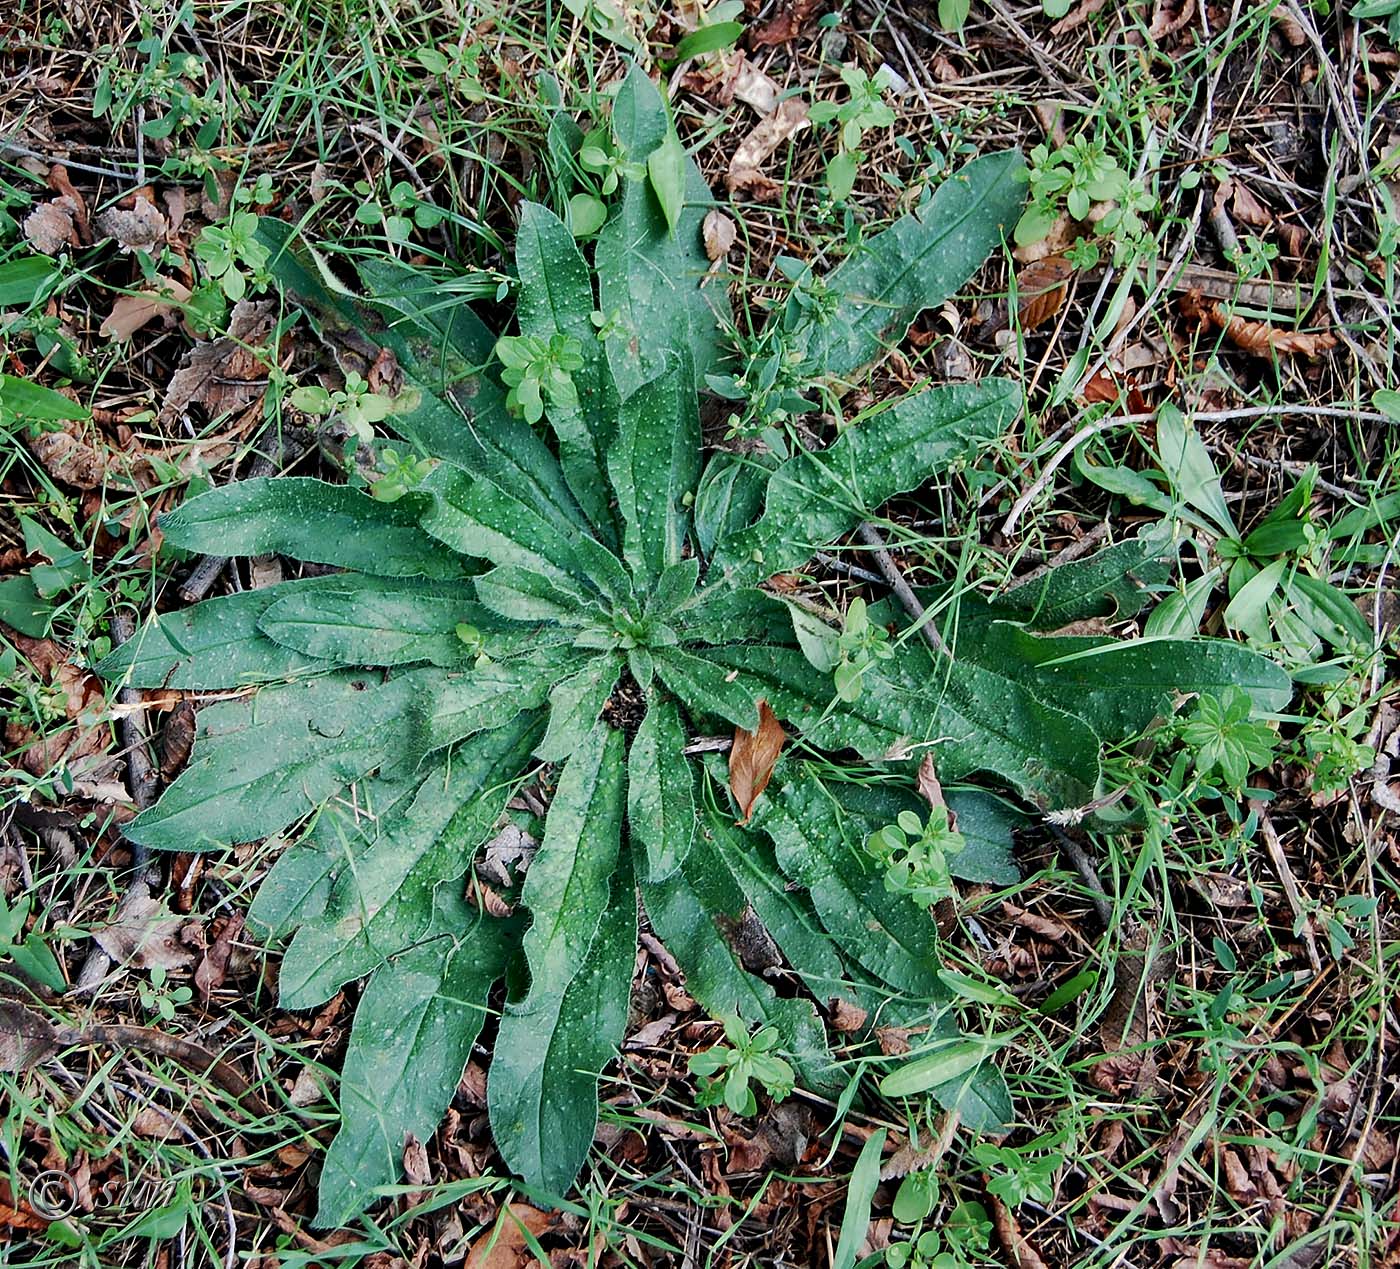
pixel 571 604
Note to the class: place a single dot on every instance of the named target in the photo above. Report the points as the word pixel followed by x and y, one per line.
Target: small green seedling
pixel 539 371
pixel 1221 736
pixel 30 954
pixel 729 1069
pixel 232 254
pixel 1073 177
pixel 864 109
pixel 158 998
pixel 355 405
pixel 915 855
pixel 862 645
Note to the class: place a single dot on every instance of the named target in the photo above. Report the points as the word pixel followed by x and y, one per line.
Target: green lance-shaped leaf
pixel 413 1033
pixel 309 520
pixel 661 789
pixel 786 913
pixel 690 912
pixel 514 592
pixel 912 704
pixel 375 621
pixel 387 897
pixel 556 296
pixel 550 1082
pixel 1118 686
pixel 814 498
pixel 654 465
pixel 537 1117
pixel 1117 581
pixel 650 279
pixel 464 702
pixel 478 517
pixel 915 264
pixel 575 704
pixel 448 408
pixel 215 644
pixel 262 762
pixel 707 688
pixel 887 934
pixel 729 498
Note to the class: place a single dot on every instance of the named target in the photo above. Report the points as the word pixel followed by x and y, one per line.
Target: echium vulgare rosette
pixel 571 603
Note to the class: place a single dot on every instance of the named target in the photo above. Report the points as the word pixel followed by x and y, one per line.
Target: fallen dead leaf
pixel 505 1246
pixel 131 312
pixel 136 222
pixel 719 232
pixel 755 88
pixel 1259 339
pixel 221 375
pixel 1078 16
pixel 745 175
pixel 1041 287
pixel 846 1015
pixel 213 968
pixel 51 226
pixel 144 934
pixel 1169 17
pixel 26 1037
pixel 787 26
pixel 752 758
pixel 81 698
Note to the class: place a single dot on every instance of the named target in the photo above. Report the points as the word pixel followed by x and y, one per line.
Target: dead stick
pixel 903 592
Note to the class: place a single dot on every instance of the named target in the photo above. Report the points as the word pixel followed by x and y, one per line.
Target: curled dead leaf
pixel 719 232
pixel 787 26
pixel 51 226
pixel 136 222
pixel 745 175
pixel 1041 287
pixel 504 1245
pixel 1259 339
pixel 131 312
pixel 751 760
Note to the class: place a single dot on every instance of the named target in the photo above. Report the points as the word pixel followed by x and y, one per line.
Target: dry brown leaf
pixel 845 1015
pixel 213 968
pixel 51 226
pixel 62 186
pixel 755 88
pixel 144 933
pixel 751 760
pixel 131 312
pixel 1041 287
pixel 26 1037
pixel 787 26
pixel 745 175
pixel 1260 339
pixel 719 232
pixel 1078 16
pixel 504 1245
pixel 81 698
pixel 69 458
pixel 136 222
pixel 222 375
pixel 1169 16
